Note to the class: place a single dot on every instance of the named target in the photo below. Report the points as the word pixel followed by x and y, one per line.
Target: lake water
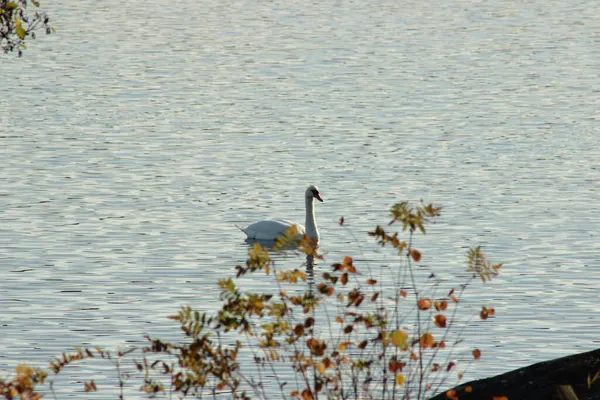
pixel 135 138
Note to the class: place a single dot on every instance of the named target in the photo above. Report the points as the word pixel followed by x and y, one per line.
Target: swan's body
pixel 271 230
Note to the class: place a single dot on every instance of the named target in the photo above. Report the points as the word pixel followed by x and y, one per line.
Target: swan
pixel 272 229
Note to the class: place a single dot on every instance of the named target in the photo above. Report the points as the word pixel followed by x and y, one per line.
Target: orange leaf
pixel 371 281
pixel 440 305
pixel 413 357
pixel 468 389
pixel 426 340
pixel 477 354
pixel 344 278
pixel 415 255
pixel 454 299
pixel 424 304
pixel 307 395
pixel 347 265
pixel 440 321
pixel 499 398
pixel 403 293
pixel 339 320
pixel 341 221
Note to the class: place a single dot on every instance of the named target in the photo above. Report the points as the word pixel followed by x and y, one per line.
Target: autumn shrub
pixel 342 333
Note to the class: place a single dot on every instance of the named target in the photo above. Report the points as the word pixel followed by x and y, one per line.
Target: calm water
pixel 134 139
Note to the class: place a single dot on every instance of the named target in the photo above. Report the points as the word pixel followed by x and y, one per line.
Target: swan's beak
pixel 318 196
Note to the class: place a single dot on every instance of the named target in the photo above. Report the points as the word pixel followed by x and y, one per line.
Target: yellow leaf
pixel 20 31
pixel 35 3
pixel 400 379
pixel 399 339
pixel 11 5
pixel 321 368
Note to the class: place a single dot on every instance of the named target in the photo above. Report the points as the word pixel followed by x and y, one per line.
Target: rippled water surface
pixel 134 140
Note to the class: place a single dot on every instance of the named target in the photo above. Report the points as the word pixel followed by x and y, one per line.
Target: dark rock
pixel 539 381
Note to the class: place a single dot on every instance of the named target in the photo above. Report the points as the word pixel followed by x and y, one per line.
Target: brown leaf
pixel 477 354
pixel 344 278
pixel 299 330
pixel 371 281
pixel 485 313
pixel 415 255
pixel 426 340
pixel 440 321
pixel 396 365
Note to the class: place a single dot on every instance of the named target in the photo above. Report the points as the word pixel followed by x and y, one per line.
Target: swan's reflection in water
pixel 310 272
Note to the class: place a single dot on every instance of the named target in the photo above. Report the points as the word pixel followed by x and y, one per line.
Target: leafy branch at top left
pixel 19 20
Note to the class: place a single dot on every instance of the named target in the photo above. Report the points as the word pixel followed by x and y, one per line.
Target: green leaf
pixel 11 5
pixel 20 31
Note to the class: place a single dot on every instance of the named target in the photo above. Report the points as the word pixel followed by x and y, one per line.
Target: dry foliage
pixel 349 335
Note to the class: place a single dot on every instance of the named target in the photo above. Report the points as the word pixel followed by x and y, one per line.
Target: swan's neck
pixel 311 224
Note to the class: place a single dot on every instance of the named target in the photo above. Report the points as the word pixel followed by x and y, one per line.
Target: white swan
pixel 271 230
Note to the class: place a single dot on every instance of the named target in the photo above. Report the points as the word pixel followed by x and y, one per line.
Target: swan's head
pixel 313 191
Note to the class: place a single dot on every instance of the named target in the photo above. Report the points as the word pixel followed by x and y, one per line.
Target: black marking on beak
pixel 316 195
